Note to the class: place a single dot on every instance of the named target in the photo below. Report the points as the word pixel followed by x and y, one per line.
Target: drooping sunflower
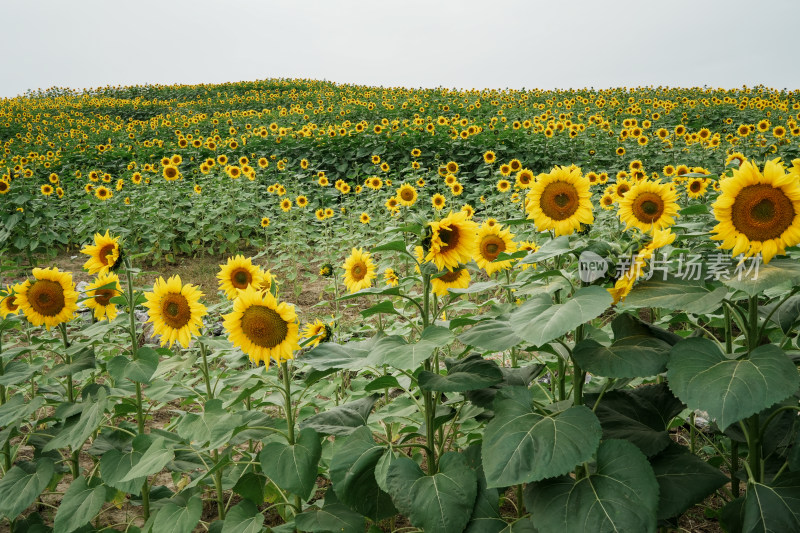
pixel 457 278
pixel 50 299
pixel 238 274
pixel 560 201
pixel 453 241
pixel 648 205
pixel 99 294
pixel 8 303
pixel 175 310
pixel 407 195
pixel 263 328
pixel 493 240
pixel 317 330
pixel 758 212
pixel 359 270
pixel 104 254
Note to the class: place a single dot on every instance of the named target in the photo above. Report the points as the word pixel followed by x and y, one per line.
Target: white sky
pixel 412 43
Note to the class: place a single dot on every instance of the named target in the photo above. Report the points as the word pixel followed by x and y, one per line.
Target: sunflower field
pixel 522 311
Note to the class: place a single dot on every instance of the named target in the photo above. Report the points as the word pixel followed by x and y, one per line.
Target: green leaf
pixel 138 370
pixel 780 270
pixel 179 515
pixel 76 434
pixel 552 248
pixel 23 484
pixel 729 389
pixel 396 246
pixel 153 460
pixel 293 468
pixel 774 507
pixel 441 503
pixel 475 287
pixel 328 355
pixel 386 307
pixel 539 321
pixel 486 517
pixel 385 291
pixel 677 294
pixel 640 416
pixel 252 487
pixel 520 445
pixel 628 325
pixel 683 480
pixel 17 408
pixel 243 518
pixel 352 474
pixel 115 465
pixel 333 516
pixel 475 373
pixel 211 429
pixel 381 383
pixel 80 505
pixel 493 334
pixel 343 419
pixel 631 357
pixel 621 495
pixel 786 315
pixel 395 352
pixel 520 377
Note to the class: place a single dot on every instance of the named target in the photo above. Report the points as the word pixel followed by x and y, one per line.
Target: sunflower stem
pixel 734 468
pixel 430 407
pixel 206 376
pixel 3 399
pixel 70 390
pixel 289 412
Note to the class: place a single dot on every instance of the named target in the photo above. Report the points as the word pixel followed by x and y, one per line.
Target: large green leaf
pixel 774 507
pixel 154 458
pixel 472 373
pixel 343 419
pixel 74 435
pixel 80 505
pixel 115 465
pixel 333 516
pixel 179 515
pixel 352 474
pixel 494 335
pixel 139 370
pixel 786 315
pixel 486 517
pixel 729 389
pixel 628 325
pixel 243 518
pixel 17 408
pixel 441 503
pixel 397 353
pixel 539 321
pixel 22 485
pixel 329 355
pixel 621 495
pixel 778 271
pixel 293 468
pixel 213 428
pixel 676 294
pixel 640 416
pixel 631 357
pixel 683 480
pixel 520 377
pixel 521 445
pixel 552 248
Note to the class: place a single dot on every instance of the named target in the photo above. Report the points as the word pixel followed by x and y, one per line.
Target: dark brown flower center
pixel 175 310
pixel 762 212
pixel 559 200
pixel 264 326
pixel 648 207
pixel 46 297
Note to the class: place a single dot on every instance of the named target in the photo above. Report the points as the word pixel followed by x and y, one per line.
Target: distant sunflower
pixel 320 214
pixel 648 205
pixel 696 187
pixel 171 173
pixel 263 328
pixel 503 185
pixel 99 295
pixel 524 179
pixel 505 170
pixel 758 212
pixel 456 189
pixel 452 167
pixel 364 218
pixel 4 187
pixel 328 212
pixel 493 240
pixel 390 277
pixel 515 165
pixel 359 270
pixel 624 285
pixel 458 278
pixel 104 254
pixel 489 157
pixel 175 310
pixel 264 222
pixel 453 241
pixel 438 201
pixel 301 201
pixel 50 299
pixel 8 303
pixel 286 205
pixel 607 202
pixel 47 189
pixel 326 270
pixel 103 193
pixel 238 274
pixel 407 195
pixel 416 152
pixel 560 201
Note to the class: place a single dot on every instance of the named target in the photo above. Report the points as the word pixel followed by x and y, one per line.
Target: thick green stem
pixel 429 402
pixel 562 386
pixel 734 468
pixel 728 330
pixel 752 323
pixel 578 375
pixel 289 412
pixel 753 427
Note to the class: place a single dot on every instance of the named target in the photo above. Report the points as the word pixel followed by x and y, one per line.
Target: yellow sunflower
pixel 8 303
pixel 263 328
pixel 104 254
pixel 390 277
pixel 50 299
pixel 758 212
pixel 648 205
pixel 457 278
pixel 317 330
pixel 489 157
pixel 238 274
pixel 175 310
pixel 438 201
pixel 696 187
pixel 364 218
pixel 453 241
pixel 560 201
pixel 99 294
pixel 493 240
pixel 625 283
pixel 286 205
pixel 359 270
pixel 607 201
pixel 407 195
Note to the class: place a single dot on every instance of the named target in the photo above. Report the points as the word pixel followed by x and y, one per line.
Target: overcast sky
pixel 411 43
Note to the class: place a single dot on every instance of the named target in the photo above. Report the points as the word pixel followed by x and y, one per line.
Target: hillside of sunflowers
pixel 416 309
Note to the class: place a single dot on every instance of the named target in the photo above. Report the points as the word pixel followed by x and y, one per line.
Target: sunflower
pixel 758 212
pixel 359 270
pixel 452 167
pixel 648 205
pixel 407 195
pixel 317 330
pixel 376 159
pixel 103 193
pixel 320 214
pixel 238 274
pixel 625 283
pixel 326 270
pixel 99 294
pixel 323 181
pixel 364 218
pixel 489 157
pixel 503 185
pixel 264 222
pixel 104 254
pixel 452 241
pixel 47 189
pixel 50 299
pixel 171 173
pixel 8 303
pixel 286 205
pixel 456 189
pixel 328 212
pixel 390 277
pixel 515 165
pixel 736 158
pixel 301 201
pixel 416 152
pixel 524 179
pixel 175 310
pixel 696 187
pixel 493 240
pixel 607 201
pixel 560 201
pixel 4 187
pixel 622 188
pixel 438 201
pixel 457 278
pixel 505 170
pixel 469 210
pixel 263 328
